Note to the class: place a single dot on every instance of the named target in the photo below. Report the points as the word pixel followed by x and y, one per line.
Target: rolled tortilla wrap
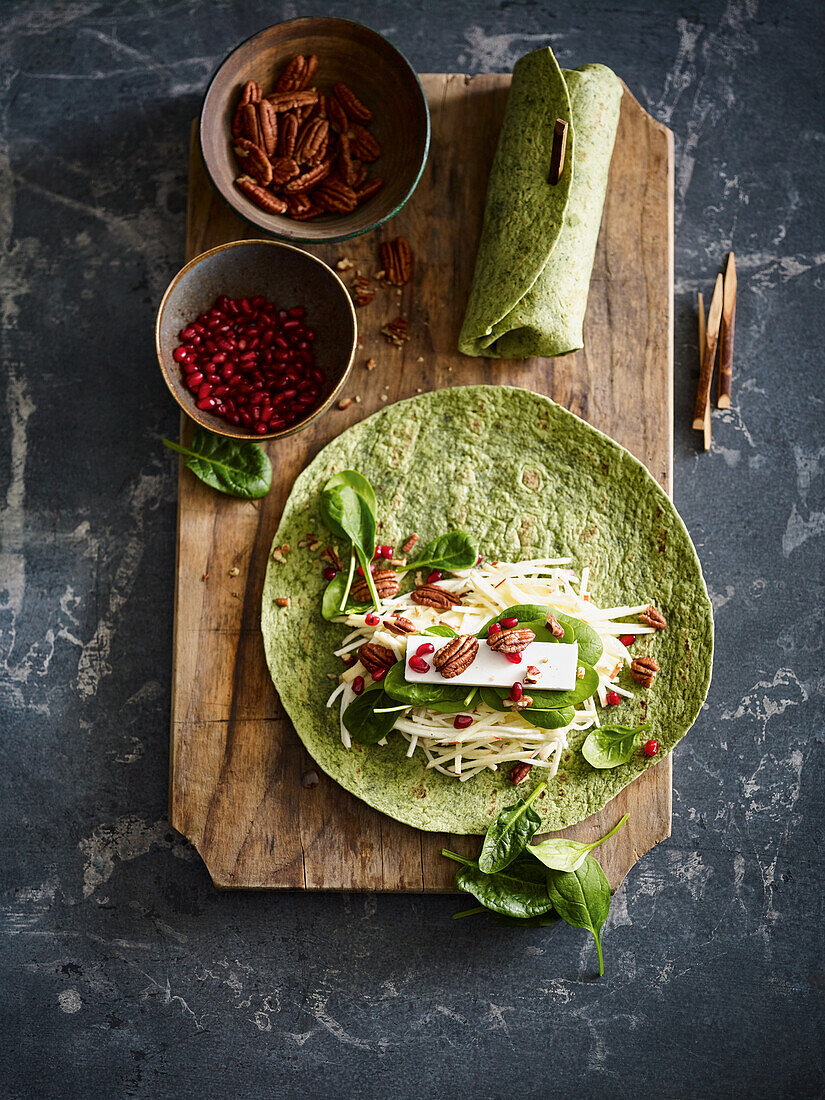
pixel 538 241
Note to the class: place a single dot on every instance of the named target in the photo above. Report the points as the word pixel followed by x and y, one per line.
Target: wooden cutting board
pixel 237 767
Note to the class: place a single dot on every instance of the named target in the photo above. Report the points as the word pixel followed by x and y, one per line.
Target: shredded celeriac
pixel 495 737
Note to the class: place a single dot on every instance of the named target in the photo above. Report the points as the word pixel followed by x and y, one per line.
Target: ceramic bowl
pixel 376 72
pixel 282 274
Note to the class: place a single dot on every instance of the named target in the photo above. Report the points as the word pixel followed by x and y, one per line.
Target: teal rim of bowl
pixel 340 236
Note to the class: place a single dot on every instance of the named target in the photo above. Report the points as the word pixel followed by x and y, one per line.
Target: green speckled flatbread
pixel 527 478
pixel 535 257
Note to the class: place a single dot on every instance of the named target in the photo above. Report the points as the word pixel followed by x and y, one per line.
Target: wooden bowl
pixel 375 71
pixel 282 274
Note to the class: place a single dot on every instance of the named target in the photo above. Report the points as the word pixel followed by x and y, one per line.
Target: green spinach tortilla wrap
pixel 527 479
pixel 535 257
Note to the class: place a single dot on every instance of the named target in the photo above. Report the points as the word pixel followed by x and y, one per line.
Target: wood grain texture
pixel 236 764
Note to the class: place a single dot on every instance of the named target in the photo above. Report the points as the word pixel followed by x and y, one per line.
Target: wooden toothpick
pixel 702 331
pixel 559 149
pixel 711 342
pixel 723 391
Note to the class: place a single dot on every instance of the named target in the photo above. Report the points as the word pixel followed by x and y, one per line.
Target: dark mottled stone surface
pixel 124 973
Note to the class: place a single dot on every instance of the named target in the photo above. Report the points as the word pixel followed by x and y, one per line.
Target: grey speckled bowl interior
pixel 377 73
pixel 281 273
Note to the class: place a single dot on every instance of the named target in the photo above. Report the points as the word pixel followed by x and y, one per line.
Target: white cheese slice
pixel 556 662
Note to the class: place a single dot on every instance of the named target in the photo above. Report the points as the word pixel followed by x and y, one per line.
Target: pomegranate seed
pixel 516 691
pixel 509 623
pixel 513 658
pixel 358 685
pixel 380 673
pixel 424 649
pixel 651 747
pixel 372 619
pixel 495 628
pixel 180 354
pixel 418 664
pixel 627 639
pixel 436 575
pixel 478 560
pixel 194 380
pixel 387 552
pixel 612 699
pixel 204 391
pixel 462 721
pixel 261 428
pixel 330 572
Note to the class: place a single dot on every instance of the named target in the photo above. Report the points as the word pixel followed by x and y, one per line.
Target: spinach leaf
pixel 350 516
pixel 509 833
pixel 513 922
pixel 441 630
pixel 333 597
pixel 590 644
pixel 553 700
pixel 582 899
pixel 362 721
pixel 517 891
pixel 610 746
pixel 353 480
pixel 232 466
pixel 455 550
pixel 531 616
pixel 489 697
pixel 549 719
pixel 560 854
pixel 418 694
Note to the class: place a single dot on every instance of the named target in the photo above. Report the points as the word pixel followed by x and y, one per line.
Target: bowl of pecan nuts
pixel 315 130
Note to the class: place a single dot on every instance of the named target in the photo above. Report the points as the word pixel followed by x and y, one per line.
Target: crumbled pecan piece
pixel 653 618
pixel 521 703
pixel 345 403
pixel 409 544
pixel 554 626
pixel 532 674
pixel 331 555
pixel 643 669
pixel 280 601
pixel 386 585
pixel 395 332
pixel 456 656
pixel 362 291
pixel 430 595
pixel 399 625
pixel 396 260
pixel 352 105
pixel 519 772
pixel 373 656
pixel 511 641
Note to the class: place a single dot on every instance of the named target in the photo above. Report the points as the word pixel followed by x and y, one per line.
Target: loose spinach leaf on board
pixel 455 550
pixel 582 899
pixel 510 833
pixel 518 891
pixel 610 746
pixel 418 694
pixel 560 854
pixel 363 723
pixel 333 595
pixel 553 700
pixel 232 466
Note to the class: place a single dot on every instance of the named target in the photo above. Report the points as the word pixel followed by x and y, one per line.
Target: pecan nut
pixel 430 595
pixel 308 179
pixel 332 556
pixel 312 142
pixel 359 174
pixel 511 641
pixel 364 145
pixel 260 196
pixel 336 197
pixel 386 585
pixel 399 625
pixel 519 772
pixel 252 92
pixel 283 170
pixel 456 656
pixel 345 165
pixel 288 101
pixel 362 291
pixel 353 106
pixel 248 123
pixel 297 73
pixel 337 115
pixel 643 669
pixel 522 703
pixel 368 189
pixel 554 626
pixel 288 134
pixel 268 123
pixel 395 332
pixel 396 260
pixel 254 161
pixel 653 618
pixel 373 656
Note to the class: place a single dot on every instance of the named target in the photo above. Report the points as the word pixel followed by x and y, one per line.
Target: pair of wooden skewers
pixel 716 333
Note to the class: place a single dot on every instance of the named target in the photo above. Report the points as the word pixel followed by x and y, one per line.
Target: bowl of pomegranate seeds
pixel 315 129
pixel 255 338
